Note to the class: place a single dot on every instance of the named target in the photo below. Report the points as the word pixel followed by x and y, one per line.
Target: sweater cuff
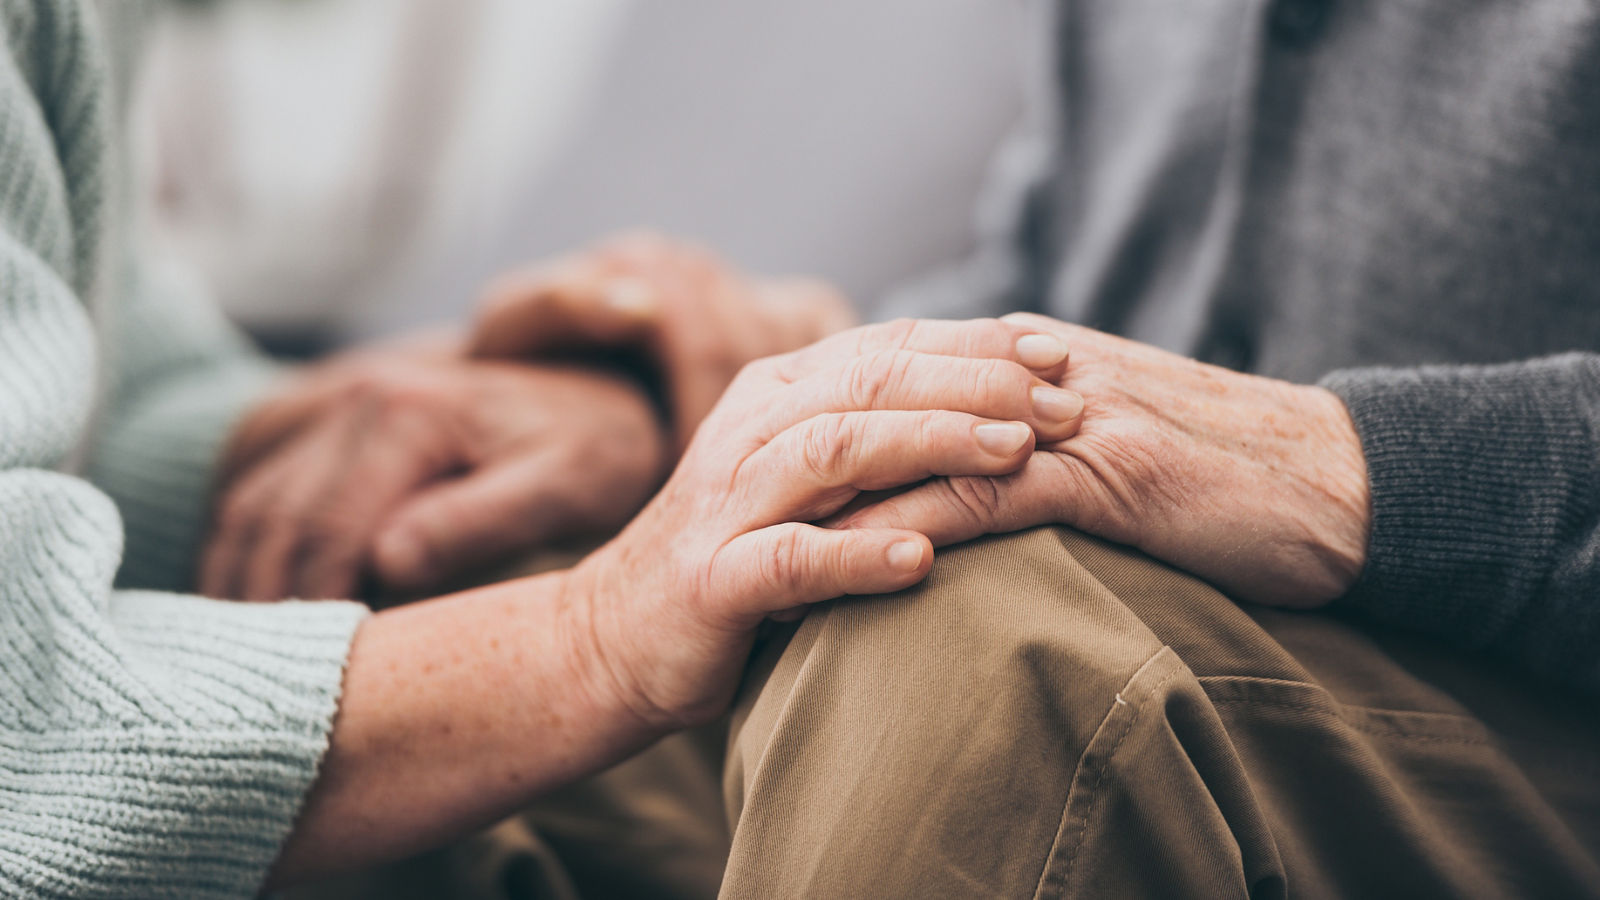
pixel 1478 476
pixel 157 457
pixel 191 786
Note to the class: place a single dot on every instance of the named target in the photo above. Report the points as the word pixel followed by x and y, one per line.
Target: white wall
pixel 365 164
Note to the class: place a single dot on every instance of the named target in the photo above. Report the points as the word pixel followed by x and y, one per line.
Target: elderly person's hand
pixel 1256 485
pixel 458 710
pixel 795 439
pixel 695 318
pixel 414 465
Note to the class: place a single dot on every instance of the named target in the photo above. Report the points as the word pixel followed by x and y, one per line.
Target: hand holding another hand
pixel 1256 485
pixel 694 318
pixel 457 710
pixel 417 465
pixel 670 607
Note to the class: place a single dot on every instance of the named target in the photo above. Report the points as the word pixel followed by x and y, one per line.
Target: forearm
pixel 457 712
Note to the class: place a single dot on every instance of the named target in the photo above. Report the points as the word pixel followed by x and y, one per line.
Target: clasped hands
pixel 410 464
pixel 1256 485
pixel 405 466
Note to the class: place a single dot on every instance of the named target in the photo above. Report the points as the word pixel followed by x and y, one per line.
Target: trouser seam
pixel 1070 834
pixel 1319 700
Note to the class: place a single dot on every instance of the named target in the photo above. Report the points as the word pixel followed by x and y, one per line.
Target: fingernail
pixel 1002 439
pixel 1040 351
pixel 633 296
pixel 1056 405
pixel 906 555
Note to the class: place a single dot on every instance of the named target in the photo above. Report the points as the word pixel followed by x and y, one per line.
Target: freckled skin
pixel 460 709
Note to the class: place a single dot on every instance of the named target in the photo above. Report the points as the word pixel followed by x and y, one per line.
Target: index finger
pixel 1043 353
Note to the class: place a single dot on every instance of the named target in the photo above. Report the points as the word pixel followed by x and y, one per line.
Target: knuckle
pixel 839 561
pixel 932 433
pixel 873 377
pixel 786 558
pixel 864 382
pixel 978 496
pixel 827 445
pixel 1000 379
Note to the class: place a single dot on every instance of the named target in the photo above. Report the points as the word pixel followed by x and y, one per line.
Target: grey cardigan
pixel 1399 200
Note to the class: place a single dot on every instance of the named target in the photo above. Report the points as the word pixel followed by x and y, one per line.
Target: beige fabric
pixel 1051 716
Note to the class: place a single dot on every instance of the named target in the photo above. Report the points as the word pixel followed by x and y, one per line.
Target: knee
pixel 1020 611
pixel 956 712
pixel 1014 628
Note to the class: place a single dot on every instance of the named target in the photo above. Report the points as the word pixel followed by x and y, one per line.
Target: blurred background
pixel 342 169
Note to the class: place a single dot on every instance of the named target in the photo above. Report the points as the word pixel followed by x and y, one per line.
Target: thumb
pixel 956 509
pixel 568 309
pixel 458 525
pixel 785 566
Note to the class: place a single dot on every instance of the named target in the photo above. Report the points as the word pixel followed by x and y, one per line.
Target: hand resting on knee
pixel 461 709
pixel 1256 485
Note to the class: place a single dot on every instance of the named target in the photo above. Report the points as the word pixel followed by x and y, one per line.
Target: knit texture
pixel 151 744
pixel 1483 519
pixel 1406 194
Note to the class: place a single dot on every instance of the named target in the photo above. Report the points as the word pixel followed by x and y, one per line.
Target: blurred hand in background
pixel 695 319
pixel 412 464
pixel 415 463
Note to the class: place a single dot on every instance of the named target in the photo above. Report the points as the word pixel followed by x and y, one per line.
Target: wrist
pixel 1345 523
pixel 586 613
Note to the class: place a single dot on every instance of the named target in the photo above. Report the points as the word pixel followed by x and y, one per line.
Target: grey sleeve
pixel 1486 514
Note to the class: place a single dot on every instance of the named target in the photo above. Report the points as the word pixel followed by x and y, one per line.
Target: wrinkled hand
pixel 695 318
pixel 417 465
pixel 671 604
pixel 1256 485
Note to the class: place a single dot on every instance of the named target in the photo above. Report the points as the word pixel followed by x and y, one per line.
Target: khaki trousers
pixel 1052 716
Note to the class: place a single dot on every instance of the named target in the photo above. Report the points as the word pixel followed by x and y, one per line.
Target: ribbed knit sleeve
pixel 151 745
pixel 1486 506
pixel 179 377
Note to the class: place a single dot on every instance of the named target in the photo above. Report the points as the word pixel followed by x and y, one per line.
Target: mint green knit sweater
pixel 151 744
